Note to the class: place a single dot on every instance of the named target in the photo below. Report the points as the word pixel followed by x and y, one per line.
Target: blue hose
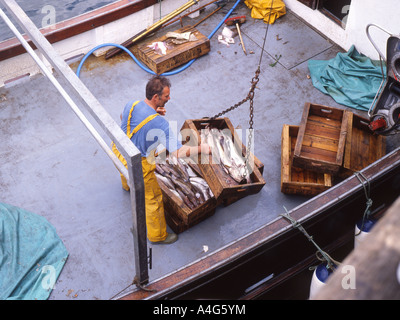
pixel 188 64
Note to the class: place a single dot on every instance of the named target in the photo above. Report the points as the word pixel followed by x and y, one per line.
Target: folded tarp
pixel 31 255
pixel 350 78
pixel 261 9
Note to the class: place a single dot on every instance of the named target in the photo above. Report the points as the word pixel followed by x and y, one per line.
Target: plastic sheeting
pixel 261 9
pixel 31 255
pixel 350 78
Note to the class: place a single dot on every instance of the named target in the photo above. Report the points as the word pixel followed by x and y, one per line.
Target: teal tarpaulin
pixel 31 255
pixel 350 78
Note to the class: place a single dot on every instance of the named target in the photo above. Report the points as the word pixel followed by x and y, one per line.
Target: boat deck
pixel 51 165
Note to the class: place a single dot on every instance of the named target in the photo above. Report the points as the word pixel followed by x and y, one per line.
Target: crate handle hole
pixel 326 110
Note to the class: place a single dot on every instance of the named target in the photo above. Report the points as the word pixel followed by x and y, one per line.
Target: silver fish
pixel 183 182
pixel 165 180
pixel 230 157
pixel 176 193
pixel 202 189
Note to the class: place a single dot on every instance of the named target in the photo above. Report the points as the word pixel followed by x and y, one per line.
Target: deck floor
pixel 52 166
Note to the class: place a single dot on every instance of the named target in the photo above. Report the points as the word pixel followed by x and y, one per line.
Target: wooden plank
pixel 318 154
pixel 326 112
pixel 285 157
pixel 349 144
pixel 319 142
pixel 318 129
pixel 302 129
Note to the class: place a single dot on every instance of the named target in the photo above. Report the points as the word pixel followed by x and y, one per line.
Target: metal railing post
pixel 134 173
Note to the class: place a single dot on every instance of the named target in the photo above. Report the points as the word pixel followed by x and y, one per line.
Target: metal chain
pixel 250 97
pixel 254 81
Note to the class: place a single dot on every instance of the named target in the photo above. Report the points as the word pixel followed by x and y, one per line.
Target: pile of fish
pixel 224 152
pixel 177 175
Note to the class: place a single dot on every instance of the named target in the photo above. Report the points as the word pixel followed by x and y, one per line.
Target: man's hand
pixel 187 152
pixel 161 111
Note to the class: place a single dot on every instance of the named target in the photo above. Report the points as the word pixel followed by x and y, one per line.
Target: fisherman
pixel 142 122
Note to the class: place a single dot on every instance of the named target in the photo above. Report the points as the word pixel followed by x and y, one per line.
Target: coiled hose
pixel 188 64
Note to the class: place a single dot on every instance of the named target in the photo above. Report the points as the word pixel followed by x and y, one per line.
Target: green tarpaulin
pixel 31 255
pixel 350 78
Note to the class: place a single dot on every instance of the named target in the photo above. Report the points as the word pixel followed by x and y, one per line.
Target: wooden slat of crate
pixel 177 55
pixel 178 225
pixel 296 180
pixel 321 139
pixel 222 187
pixel 363 147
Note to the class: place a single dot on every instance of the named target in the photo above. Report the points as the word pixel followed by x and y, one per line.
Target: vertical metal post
pixel 123 143
pixel 139 222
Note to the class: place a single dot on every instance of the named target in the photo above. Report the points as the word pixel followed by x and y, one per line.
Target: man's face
pixel 162 99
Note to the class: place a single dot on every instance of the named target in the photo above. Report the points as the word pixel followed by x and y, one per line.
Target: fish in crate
pixel 225 153
pixel 183 182
pixel 187 197
pixel 231 172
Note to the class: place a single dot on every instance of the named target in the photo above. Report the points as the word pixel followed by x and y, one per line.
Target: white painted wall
pixel 384 13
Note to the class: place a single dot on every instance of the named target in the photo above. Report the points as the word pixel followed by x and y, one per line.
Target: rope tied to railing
pixel 330 263
pixel 367 190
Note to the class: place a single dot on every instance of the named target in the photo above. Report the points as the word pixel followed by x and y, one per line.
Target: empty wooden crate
pixel 321 139
pixel 363 147
pixel 297 180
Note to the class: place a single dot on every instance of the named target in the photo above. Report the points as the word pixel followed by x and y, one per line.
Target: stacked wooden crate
pixel 179 216
pixel 329 143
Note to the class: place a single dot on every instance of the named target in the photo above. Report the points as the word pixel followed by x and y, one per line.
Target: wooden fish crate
pixel 223 188
pixel 176 55
pixel 297 180
pixel 321 139
pixel 178 215
pixel 363 147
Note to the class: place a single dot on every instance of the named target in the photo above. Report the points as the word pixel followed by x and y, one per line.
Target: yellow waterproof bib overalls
pixel 155 219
